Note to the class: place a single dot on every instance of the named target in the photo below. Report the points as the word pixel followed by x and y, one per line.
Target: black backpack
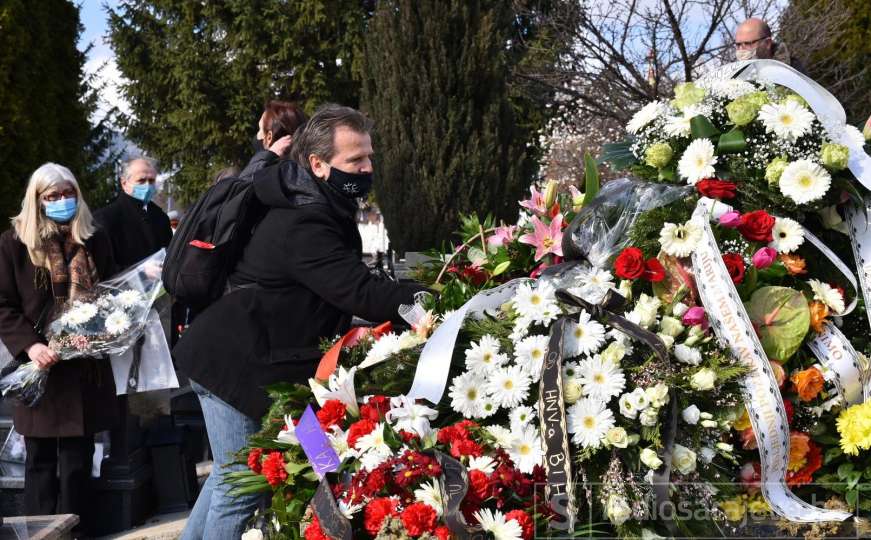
pixel 209 241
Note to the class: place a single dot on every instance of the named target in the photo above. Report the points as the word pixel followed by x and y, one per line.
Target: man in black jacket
pixel 300 279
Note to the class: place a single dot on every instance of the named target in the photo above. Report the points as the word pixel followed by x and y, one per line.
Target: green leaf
pixel 501 267
pixel 618 155
pixel 731 142
pixel 844 470
pixel 667 174
pixel 852 498
pixel 781 318
pixel 702 128
pixel 591 176
pixel 832 453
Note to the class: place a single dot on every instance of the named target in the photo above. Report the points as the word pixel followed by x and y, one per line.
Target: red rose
pixel 629 264
pixel 418 518
pixel 331 414
pixel 716 189
pixel 442 533
pixel 653 270
pixel 735 266
pixel 525 522
pixel 314 531
pixel 376 512
pixel 359 429
pixel 756 226
pixel 273 469
pixel 254 460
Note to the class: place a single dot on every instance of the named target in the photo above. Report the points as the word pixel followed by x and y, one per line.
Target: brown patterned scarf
pixel 72 268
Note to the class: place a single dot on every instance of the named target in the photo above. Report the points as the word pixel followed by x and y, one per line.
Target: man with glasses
pixel 753 40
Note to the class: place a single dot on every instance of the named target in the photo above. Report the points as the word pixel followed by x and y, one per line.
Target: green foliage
pixel 46 101
pixel 452 135
pixel 200 72
pixel 645 233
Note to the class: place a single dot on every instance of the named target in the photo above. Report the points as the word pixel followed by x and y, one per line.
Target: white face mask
pixel 746 54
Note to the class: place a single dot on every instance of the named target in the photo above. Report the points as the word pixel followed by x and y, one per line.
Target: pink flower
pixel 695 316
pixel 730 219
pixel 535 203
pixel 502 236
pixel 546 238
pixel 764 257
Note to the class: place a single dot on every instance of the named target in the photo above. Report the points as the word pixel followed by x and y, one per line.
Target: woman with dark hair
pixel 276 127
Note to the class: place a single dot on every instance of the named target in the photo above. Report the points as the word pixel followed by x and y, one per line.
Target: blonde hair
pixel 33 228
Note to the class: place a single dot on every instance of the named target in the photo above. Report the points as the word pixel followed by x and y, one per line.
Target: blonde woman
pixel 51 255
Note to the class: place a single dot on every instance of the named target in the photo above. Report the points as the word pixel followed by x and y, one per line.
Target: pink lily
pixel 502 236
pixel 535 203
pixel 546 238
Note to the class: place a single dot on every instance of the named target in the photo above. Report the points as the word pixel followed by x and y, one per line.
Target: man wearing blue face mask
pixel 754 41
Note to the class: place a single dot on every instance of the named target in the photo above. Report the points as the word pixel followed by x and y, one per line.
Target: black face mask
pixel 257 144
pixel 350 184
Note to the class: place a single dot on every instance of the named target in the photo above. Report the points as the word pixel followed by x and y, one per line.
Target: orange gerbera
pixel 819 312
pixel 813 461
pixel 799 446
pixel 808 383
pixel 794 264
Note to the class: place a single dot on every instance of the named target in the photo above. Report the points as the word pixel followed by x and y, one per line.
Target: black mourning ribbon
pixel 605 313
pixel 334 524
pixel 454 484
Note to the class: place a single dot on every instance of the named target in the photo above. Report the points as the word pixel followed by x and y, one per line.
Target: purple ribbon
pixel 315 444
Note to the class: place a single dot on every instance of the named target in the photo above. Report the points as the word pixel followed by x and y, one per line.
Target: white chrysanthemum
pixel 484 356
pixel 467 396
pixel 679 125
pixel 128 298
pixel 594 284
pixel 589 419
pixel 828 295
pixel 494 522
pixel 526 452
pixel 536 304
pixel 484 464
pixel 503 436
pixel 645 116
pixel 381 350
pixel 373 448
pixel 117 322
pixel 81 313
pixel 680 240
pixel 508 386
pixel 697 161
pixel 601 379
pixel 804 181
pixel 687 355
pixel 521 416
pixel 788 120
pixel 529 354
pixel 348 510
pixel 585 337
pixel 430 493
pixel 788 235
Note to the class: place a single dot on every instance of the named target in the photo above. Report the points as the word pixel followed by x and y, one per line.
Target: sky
pixel 94 19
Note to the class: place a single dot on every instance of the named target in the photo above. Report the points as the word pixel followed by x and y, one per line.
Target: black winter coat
pixel 135 232
pixel 304 260
pixel 260 160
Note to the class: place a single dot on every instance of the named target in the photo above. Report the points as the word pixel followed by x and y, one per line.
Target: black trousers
pixel 57 474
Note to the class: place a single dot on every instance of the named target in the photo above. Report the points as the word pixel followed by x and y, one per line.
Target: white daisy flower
pixel 81 313
pixel 494 522
pixel 586 337
pixel 788 120
pixel 680 240
pixel 488 408
pixel 117 322
pixel 128 298
pixel 467 396
pixel 678 126
pixel 645 116
pixel 828 295
pixel 503 436
pixel 788 235
pixel 387 345
pixel 348 510
pixel 508 386
pixel 594 285
pixel 484 464
pixel 571 370
pixel 411 416
pixel 601 379
pixel 373 447
pixel 589 421
pixel 484 356
pixel 804 181
pixel 536 304
pixel 430 493
pixel 697 161
pixel 526 452
pixel 521 416
pixel 529 354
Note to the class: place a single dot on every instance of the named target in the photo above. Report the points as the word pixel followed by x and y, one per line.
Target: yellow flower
pixel 758 506
pixel 734 509
pixel 854 425
pixel 743 422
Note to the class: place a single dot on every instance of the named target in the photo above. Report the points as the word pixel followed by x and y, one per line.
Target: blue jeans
pixel 216 515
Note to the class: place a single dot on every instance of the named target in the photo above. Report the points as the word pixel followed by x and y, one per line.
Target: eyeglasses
pixel 747 44
pixel 55 196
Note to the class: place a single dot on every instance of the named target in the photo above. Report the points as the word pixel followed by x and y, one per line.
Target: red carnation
pixel 254 460
pixel 376 512
pixel 375 408
pixel 314 531
pixel 442 533
pixel 418 518
pixel 376 480
pixel 525 522
pixel 629 264
pixel 653 270
pixel 273 469
pixel 466 447
pixel 331 414
pixel 716 189
pixel 756 226
pixel 480 487
pixel 735 266
pixel 790 410
pixel 359 429
pixel 408 436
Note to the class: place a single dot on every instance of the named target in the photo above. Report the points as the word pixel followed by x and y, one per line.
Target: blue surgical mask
pixel 61 210
pixel 144 192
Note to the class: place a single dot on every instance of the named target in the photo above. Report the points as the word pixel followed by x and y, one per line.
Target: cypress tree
pixel 451 134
